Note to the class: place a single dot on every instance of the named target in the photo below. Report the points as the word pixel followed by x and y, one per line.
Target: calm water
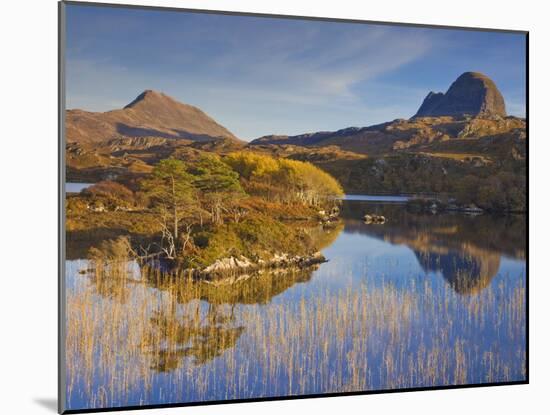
pixel 423 300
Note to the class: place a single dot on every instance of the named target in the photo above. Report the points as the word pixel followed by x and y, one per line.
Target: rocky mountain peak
pixel 472 93
pixel 148 96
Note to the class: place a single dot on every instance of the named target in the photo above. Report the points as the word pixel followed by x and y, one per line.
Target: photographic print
pixel 257 207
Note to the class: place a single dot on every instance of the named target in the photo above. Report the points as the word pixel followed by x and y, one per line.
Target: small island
pixel 211 216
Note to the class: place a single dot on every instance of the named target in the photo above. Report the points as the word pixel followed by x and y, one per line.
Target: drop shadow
pixel 48 403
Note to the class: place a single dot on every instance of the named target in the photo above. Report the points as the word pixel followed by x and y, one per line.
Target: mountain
pixel 460 144
pixel 470 150
pixel 402 134
pixel 308 139
pixel 472 108
pixel 151 115
pixel 472 93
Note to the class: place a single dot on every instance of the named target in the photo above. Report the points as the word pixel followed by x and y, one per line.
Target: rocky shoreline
pixel 233 269
pixel 433 205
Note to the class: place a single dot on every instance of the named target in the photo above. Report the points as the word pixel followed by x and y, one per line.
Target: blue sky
pixel 259 76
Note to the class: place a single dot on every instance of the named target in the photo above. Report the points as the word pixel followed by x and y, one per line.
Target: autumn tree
pixel 310 184
pixel 258 174
pixel 171 193
pixel 218 184
pixel 251 165
pixel 288 180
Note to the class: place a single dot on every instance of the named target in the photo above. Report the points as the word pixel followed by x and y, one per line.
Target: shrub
pixel 112 189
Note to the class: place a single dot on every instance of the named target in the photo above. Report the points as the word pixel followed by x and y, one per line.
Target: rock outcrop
pixel 430 103
pixel 231 267
pixel 471 94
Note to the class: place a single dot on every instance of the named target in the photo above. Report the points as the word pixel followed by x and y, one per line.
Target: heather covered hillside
pixel 459 145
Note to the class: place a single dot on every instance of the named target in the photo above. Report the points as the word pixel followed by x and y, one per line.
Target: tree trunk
pixel 175 223
pixel 175 205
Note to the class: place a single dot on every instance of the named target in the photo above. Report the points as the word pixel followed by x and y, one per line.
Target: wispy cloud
pixel 318 65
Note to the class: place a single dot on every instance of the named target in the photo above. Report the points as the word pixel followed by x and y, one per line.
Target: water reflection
pixel 468 271
pixel 423 300
pixel 200 337
pixel 465 250
pixel 250 289
pixel 196 322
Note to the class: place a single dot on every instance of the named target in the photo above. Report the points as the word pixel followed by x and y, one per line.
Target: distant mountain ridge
pixel 151 114
pixel 472 108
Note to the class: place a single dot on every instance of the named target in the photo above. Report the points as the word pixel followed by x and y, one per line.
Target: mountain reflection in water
pixel 465 250
pixel 445 289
